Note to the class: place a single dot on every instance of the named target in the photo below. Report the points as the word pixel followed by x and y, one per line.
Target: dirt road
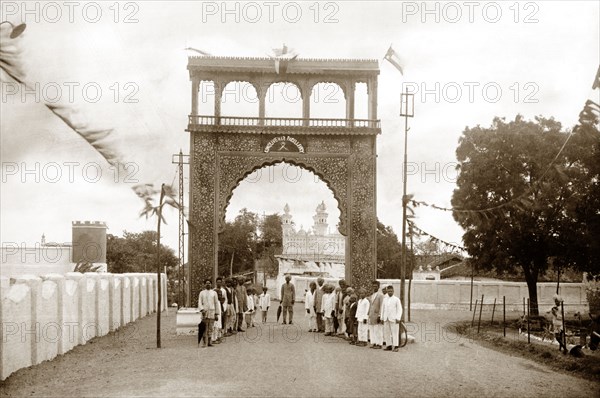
pixel 276 361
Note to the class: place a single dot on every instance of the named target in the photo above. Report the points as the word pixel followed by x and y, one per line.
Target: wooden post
pixel 528 330
pixel 480 309
pixel 504 315
pixel 471 299
pixel 474 312
pixel 523 306
pixel 493 311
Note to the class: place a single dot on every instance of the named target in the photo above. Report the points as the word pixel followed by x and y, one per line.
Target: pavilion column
pixel 195 89
pixel 262 93
pixel 372 88
pixel 305 92
pixel 349 94
pixel 218 95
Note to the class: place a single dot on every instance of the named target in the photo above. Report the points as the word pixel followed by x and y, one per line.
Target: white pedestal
pixel 187 321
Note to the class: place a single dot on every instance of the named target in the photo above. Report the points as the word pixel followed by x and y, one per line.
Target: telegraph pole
pixel 180 159
pixel 406 110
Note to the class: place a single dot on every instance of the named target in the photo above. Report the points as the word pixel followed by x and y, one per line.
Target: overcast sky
pixel 477 60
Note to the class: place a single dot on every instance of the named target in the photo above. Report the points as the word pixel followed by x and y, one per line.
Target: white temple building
pixel 315 252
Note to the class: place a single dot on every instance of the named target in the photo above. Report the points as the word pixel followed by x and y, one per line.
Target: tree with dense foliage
pixel 248 238
pixel 527 196
pixel 389 252
pixel 238 243
pixel 136 252
pixel 270 243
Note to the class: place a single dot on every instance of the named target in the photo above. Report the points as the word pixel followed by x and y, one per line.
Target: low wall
pixel 456 294
pixel 42 317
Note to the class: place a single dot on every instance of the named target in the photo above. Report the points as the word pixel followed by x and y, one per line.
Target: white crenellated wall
pixel 42 317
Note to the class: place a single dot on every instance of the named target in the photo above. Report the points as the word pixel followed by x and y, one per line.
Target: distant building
pixel 315 252
pixel 88 245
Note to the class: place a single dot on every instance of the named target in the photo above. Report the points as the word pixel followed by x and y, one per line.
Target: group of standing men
pixel 340 312
pixel 224 307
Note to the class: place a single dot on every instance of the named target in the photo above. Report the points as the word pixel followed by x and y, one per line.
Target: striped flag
pixel 11 64
pixel 94 136
pixel 392 57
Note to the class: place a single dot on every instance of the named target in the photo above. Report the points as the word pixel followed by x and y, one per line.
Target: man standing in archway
pixel 288 297
pixel 318 309
pixel 241 294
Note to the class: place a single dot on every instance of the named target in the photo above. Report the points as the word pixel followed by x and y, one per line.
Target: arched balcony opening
pixel 283 100
pixel 327 101
pixel 361 101
pixel 238 99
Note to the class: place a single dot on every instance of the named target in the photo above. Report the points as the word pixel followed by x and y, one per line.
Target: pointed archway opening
pixel 281 219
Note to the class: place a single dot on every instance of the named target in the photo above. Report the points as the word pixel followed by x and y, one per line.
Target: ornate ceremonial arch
pixel 225 149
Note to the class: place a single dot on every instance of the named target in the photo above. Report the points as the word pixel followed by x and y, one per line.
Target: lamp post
pixel 406 110
pixel 16 30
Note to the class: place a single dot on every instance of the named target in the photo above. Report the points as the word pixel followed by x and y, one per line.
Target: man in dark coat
pixel 288 298
pixel 242 295
pixel 318 302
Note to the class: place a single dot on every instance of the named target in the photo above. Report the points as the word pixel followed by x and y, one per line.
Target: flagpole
pixel 406 112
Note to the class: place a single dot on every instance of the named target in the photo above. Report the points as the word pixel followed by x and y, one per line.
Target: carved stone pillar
pixel 261 92
pixel 195 89
pixel 350 89
pixel 203 211
pixel 218 95
pixel 372 89
pixel 305 90
pixel 361 247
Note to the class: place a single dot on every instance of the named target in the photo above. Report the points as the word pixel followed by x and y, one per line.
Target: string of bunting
pixel 433 238
pixel 520 202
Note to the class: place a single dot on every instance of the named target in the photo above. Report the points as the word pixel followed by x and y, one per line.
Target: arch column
pixel 305 91
pixel 195 90
pixel 372 91
pixel 261 93
pixel 349 94
pixel 218 95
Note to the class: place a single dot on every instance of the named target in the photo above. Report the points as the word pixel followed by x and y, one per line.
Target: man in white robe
pixel 391 315
pixel 210 307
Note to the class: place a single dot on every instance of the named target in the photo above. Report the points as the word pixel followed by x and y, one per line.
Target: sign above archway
pixel 283 143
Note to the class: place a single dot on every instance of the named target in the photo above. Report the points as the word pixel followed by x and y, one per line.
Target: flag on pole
pixel 392 57
pixel 282 57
